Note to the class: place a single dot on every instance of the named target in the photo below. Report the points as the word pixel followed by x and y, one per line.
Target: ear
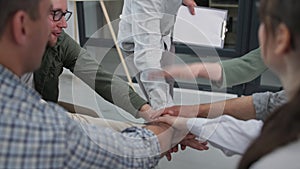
pixel 283 39
pixel 19 27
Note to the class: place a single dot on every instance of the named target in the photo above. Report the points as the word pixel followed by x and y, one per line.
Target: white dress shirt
pixel 226 133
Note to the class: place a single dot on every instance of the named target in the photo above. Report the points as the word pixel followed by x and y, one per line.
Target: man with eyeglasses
pixel 63 52
pixel 37 134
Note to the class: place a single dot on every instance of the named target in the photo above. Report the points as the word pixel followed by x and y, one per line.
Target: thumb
pixel 166 119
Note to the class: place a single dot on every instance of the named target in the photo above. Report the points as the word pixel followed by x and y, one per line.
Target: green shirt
pixel 68 54
pixel 242 69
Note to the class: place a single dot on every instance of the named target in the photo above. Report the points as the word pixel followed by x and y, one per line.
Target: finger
pixel 204 143
pixel 168 156
pixel 166 119
pixel 192 10
pixel 175 149
pixel 192 7
pixel 155 115
pixel 183 147
pixel 189 136
pixel 195 144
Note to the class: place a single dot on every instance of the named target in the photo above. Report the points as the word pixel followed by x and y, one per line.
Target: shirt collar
pixel 12 79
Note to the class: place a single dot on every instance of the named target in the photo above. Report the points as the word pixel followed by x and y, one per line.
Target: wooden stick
pixel 115 41
pixel 75 21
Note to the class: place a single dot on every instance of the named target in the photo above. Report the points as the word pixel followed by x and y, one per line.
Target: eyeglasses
pixel 58 14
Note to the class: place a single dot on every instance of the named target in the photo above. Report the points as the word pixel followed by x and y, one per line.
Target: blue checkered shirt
pixel 35 134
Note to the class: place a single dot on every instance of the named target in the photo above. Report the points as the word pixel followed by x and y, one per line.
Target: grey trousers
pixel 157 90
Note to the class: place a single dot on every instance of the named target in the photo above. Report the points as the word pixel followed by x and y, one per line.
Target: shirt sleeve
pixel 94 147
pixel 241 70
pixel 265 103
pixel 69 50
pixel 226 133
pixel 107 85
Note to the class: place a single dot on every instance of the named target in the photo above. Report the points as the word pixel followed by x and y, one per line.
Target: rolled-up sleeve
pixel 265 103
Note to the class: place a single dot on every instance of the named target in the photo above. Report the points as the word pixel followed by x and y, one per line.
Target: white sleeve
pixel 226 133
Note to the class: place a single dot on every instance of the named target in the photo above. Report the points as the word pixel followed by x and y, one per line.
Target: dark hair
pixel 281 128
pixel 9 7
pixel 274 12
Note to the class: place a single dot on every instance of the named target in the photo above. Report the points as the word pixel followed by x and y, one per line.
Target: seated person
pixel 37 134
pixel 63 52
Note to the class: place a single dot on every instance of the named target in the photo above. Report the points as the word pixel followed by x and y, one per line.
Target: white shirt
pixel 226 133
pixel 28 79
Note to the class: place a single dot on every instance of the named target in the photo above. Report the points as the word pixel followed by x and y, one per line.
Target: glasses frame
pixel 59 13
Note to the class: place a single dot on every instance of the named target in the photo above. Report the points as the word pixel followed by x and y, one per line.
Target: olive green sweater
pixel 242 69
pixel 68 54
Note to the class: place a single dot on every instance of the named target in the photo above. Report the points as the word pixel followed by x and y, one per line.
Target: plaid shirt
pixel 36 134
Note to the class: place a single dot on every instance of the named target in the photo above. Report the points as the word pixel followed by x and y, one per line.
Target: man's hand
pixel 181 110
pixel 146 112
pixel 190 141
pixel 191 5
pixel 178 123
pixel 184 71
pixel 181 135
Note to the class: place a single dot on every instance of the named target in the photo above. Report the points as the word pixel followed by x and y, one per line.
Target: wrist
pixel 144 112
pixel 145 108
pixel 203 110
pixel 196 69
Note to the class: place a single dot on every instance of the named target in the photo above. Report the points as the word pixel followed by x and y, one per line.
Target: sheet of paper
pixel 206 28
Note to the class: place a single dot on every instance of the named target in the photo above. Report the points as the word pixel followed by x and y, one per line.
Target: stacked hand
pixel 188 141
pixel 181 136
pixel 183 111
pixel 170 116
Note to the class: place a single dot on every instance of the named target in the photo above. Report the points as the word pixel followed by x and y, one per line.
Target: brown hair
pixel 9 7
pixel 274 12
pixel 281 128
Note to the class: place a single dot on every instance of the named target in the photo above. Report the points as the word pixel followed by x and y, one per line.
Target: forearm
pixel 240 108
pixel 164 133
pixel 211 71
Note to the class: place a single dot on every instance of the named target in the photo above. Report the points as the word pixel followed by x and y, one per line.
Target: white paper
pixel 206 28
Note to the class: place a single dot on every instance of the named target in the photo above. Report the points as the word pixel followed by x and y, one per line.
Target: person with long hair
pixel 278 145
